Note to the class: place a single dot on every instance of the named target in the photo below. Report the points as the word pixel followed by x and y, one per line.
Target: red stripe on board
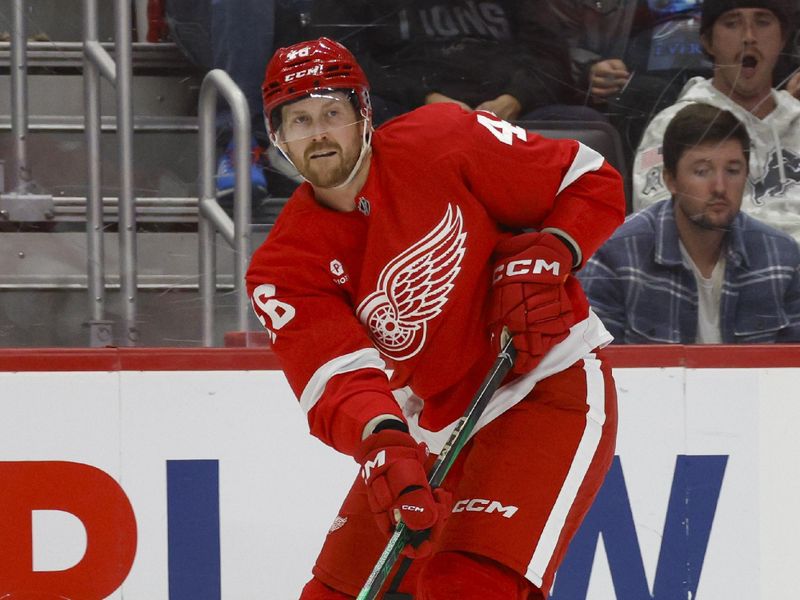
pixel 253 359
pixel 138 359
pixel 704 357
pixel 59 359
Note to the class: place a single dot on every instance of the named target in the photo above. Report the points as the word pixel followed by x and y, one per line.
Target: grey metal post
pixel 100 329
pixel 127 208
pixel 19 98
pixel 23 203
pixel 120 74
pixel 211 216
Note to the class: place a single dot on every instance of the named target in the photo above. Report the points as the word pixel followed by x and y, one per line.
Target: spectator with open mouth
pixel 745 39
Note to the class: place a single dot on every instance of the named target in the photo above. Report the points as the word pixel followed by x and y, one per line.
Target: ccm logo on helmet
pixel 316 70
pixel 523 267
pixel 487 506
pixel 412 508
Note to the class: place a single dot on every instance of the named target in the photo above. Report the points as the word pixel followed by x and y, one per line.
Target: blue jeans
pixel 234 35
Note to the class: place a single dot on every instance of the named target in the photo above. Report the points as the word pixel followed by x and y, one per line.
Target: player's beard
pixel 320 173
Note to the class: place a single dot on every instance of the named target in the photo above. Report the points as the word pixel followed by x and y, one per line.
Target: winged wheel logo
pixel 413 288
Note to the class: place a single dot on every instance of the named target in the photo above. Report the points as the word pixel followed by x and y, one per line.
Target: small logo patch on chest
pixel 337 270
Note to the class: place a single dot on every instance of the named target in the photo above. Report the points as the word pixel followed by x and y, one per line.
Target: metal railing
pixel 212 217
pixel 98 63
pixel 19 96
pixel 23 203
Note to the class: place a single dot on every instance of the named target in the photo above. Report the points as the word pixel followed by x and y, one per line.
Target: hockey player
pixel 405 251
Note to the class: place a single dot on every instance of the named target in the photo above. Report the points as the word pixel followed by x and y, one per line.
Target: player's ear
pixel 706 43
pixel 366 115
pixel 669 180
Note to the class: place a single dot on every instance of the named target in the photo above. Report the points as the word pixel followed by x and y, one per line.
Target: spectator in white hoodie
pixel 745 38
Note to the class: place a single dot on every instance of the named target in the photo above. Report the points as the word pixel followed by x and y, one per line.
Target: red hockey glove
pixel 392 466
pixel 529 297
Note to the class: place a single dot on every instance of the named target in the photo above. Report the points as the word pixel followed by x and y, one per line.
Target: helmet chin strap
pixel 274 140
pixel 366 140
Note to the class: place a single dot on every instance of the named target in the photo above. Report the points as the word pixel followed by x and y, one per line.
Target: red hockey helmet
pixel 306 67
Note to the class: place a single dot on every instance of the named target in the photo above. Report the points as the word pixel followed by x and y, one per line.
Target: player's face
pixel 708 184
pixel 745 44
pixel 322 136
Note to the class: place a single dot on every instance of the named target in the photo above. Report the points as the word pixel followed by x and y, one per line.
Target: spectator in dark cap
pixel 744 38
pixel 785 13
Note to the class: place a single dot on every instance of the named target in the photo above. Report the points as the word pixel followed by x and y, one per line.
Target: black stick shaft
pixel 459 436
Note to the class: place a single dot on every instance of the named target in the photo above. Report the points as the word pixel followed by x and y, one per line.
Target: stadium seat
pixel 598 135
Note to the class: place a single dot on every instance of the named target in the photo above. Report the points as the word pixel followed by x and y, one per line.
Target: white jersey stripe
pixel 584 337
pixel 366 358
pixel 595 417
pixel 585 160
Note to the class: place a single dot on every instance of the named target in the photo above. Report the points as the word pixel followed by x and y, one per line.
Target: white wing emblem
pixel 414 287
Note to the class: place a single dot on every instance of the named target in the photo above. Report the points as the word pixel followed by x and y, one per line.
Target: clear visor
pixel 319 112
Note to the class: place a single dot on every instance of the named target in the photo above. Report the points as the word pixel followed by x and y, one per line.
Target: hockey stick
pixel 445 460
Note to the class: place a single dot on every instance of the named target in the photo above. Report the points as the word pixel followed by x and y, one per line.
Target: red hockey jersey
pixel 405 276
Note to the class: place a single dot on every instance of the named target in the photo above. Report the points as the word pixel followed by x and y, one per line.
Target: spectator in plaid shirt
pixel 694 269
pixel 745 39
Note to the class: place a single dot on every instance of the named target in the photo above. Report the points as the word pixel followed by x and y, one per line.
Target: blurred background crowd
pixel 616 74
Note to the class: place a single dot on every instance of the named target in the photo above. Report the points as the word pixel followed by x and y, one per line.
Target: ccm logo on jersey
pixel 316 70
pixel 380 460
pixel 524 267
pixel 487 506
